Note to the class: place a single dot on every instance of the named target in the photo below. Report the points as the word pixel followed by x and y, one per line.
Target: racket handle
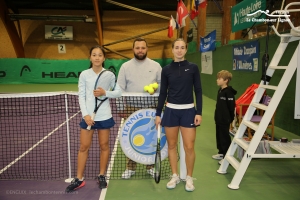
pixel 93 117
pixel 158 131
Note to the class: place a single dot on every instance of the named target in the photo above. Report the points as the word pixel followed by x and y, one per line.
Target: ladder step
pixel 277 67
pixel 271 87
pixel 250 124
pixel 259 105
pixel 242 143
pixel 234 162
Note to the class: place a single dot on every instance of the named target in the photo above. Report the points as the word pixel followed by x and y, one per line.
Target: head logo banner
pixel 138 137
pixel 208 43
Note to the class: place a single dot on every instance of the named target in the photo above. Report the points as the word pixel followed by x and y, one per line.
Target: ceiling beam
pixel 201 27
pixel 138 10
pixel 11 30
pixel 98 22
pixel 16 17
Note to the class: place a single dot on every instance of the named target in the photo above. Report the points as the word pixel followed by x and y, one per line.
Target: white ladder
pixel 259 129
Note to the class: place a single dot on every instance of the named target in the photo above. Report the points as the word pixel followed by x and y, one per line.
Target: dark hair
pixel 95 47
pixel 139 39
pixel 179 39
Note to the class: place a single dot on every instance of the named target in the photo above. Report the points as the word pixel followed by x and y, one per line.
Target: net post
pixel 182 159
pixel 68 180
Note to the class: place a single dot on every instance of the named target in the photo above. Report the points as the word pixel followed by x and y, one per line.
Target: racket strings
pixel 107 81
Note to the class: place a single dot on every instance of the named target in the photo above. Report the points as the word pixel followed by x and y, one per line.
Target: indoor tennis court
pixel 40 113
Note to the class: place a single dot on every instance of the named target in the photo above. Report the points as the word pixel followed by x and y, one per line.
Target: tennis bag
pixel 245 98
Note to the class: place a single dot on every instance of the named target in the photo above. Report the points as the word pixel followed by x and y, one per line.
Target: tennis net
pixel 39 137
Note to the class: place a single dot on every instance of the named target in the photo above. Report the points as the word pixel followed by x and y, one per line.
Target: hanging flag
pixel 189 35
pixel 194 12
pixel 203 3
pixel 208 43
pixel 182 13
pixel 172 26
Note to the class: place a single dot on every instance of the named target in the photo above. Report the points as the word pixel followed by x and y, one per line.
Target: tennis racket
pixel 107 81
pixel 157 165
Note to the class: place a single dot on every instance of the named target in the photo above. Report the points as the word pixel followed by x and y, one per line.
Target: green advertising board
pixel 239 12
pixel 39 71
pixel 36 71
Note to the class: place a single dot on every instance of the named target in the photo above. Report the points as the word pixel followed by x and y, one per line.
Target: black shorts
pixel 105 124
pixel 179 117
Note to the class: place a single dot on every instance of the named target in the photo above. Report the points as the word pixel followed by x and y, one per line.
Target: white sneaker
pixel 189 185
pixel 220 162
pixel 128 173
pixel 151 172
pixel 218 156
pixel 173 182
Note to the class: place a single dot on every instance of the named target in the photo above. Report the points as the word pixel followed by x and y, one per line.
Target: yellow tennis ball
pixel 151 85
pixel 146 88
pixel 155 85
pixel 151 90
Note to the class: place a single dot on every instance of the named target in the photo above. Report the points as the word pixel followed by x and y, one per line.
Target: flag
pixel 182 13
pixel 203 3
pixel 208 43
pixel 189 35
pixel 172 26
pixel 194 12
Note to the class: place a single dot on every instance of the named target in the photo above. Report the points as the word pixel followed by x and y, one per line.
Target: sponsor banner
pixel 239 12
pixel 207 63
pixel 58 32
pixel 208 43
pixel 138 137
pixel 39 71
pixel 246 56
pixel 36 71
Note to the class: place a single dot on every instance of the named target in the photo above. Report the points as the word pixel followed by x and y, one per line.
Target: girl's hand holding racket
pixel 99 92
pixel 157 121
pixel 106 81
pixel 88 120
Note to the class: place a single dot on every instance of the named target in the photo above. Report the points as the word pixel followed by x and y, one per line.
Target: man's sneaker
pixel 218 156
pixel 75 184
pixel 220 162
pixel 189 185
pixel 128 173
pixel 102 182
pixel 173 182
pixel 151 172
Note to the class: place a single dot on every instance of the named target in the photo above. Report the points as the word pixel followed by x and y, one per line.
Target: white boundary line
pixel 111 163
pixel 35 145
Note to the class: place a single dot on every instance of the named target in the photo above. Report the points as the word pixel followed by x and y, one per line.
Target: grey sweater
pixel 135 74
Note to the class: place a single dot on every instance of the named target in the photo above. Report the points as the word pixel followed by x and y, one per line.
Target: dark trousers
pixel 223 138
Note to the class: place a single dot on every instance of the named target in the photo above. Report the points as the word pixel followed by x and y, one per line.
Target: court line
pixel 111 163
pixel 36 144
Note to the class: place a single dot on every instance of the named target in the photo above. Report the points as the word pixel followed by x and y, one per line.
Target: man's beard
pixel 142 57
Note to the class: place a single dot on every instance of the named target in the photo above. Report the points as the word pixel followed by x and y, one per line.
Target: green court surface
pixel 264 178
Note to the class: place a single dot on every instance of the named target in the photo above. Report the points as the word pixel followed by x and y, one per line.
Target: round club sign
pixel 138 137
